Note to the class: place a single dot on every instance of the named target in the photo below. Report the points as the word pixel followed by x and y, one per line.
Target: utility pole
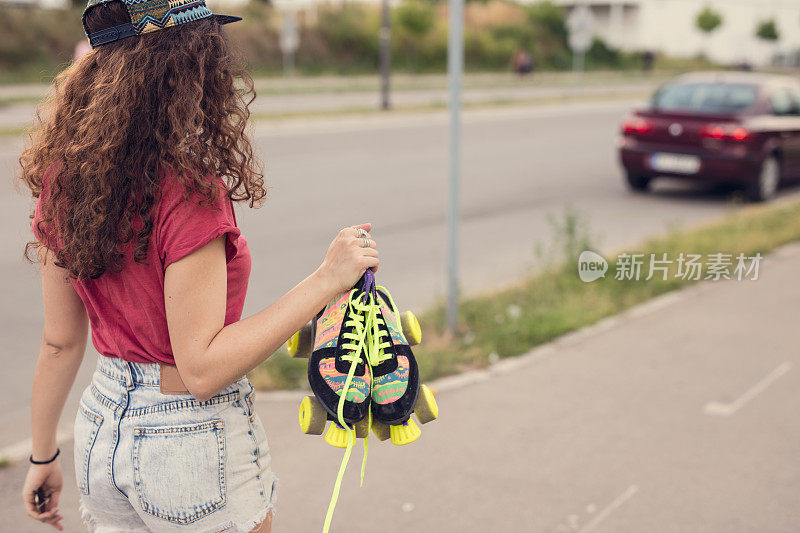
pixel 385 40
pixel 455 67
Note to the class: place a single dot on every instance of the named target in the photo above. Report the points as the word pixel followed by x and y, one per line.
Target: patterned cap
pixel 151 15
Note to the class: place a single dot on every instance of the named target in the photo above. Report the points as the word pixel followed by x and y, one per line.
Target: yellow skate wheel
pixel 336 436
pixel 362 429
pixel 312 416
pixel 300 344
pixel 411 329
pixel 405 433
pixel 426 408
pixel 380 429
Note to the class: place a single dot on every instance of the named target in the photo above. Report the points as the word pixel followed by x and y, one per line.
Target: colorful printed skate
pixel 363 373
pixel 396 391
pixel 335 343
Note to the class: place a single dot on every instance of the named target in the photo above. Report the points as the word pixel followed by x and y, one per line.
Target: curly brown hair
pixel 119 118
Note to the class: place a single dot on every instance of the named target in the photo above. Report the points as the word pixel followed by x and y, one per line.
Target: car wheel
pixel 769 177
pixel 636 182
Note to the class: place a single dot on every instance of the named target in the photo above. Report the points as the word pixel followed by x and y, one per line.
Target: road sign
pixel 581 28
pixel 289 40
pixel 290 36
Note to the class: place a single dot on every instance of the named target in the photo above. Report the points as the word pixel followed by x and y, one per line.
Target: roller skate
pixel 362 373
pixel 396 391
pixel 335 343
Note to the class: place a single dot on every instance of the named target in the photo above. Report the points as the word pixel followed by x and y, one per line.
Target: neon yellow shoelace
pixel 364 339
pixel 369 339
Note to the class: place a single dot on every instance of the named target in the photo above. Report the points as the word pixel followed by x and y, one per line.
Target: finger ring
pixel 361 232
pixel 365 243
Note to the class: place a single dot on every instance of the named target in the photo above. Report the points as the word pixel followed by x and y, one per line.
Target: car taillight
pixel 726 132
pixel 637 125
pixel 740 134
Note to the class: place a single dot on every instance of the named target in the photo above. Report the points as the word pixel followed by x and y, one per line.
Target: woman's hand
pixel 48 477
pixel 348 258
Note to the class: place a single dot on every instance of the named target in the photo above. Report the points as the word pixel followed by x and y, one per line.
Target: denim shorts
pixel 148 461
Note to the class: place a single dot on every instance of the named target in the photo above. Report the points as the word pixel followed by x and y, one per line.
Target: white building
pixel 669 26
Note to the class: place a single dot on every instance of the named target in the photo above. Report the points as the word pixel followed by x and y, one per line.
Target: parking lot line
pixel 727 409
pixel 629 493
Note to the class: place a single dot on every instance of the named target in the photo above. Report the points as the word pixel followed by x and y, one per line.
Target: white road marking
pixel 629 493
pixel 727 409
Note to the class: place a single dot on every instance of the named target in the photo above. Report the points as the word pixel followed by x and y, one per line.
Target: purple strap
pixel 369 281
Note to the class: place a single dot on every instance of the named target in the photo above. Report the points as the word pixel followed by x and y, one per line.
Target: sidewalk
pixel 678 415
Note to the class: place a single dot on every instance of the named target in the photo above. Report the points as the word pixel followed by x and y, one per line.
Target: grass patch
pixel 276 84
pixel 441 105
pixel 19 99
pixel 14 131
pixel 554 301
pixel 280 372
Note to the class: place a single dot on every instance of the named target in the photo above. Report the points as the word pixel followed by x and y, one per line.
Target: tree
pixel 708 20
pixel 767 30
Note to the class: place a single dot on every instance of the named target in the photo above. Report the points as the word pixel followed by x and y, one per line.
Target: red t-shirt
pixel 126 309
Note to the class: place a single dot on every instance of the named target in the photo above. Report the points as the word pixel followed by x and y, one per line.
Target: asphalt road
pixel 520 166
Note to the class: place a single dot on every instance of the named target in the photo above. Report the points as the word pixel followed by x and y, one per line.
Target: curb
pixel 548 349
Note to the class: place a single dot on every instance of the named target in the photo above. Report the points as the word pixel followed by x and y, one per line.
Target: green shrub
pixel 258 37
pixel 38 40
pixel 602 56
pixel 351 34
pixel 549 21
pixel 414 18
pixel 35 43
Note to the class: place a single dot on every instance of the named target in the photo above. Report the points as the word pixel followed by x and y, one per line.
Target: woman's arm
pixel 63 345
pixel 209 356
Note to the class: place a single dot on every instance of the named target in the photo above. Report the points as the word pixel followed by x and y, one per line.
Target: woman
pixel 136 167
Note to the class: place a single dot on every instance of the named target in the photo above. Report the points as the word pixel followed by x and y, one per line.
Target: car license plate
pixel 677 163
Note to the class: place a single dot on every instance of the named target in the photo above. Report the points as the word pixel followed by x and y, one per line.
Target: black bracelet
pixel 31 459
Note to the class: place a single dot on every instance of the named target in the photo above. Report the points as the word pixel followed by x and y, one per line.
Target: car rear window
pixel 706 97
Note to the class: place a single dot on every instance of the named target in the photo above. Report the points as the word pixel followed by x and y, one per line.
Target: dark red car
pixel 733 127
